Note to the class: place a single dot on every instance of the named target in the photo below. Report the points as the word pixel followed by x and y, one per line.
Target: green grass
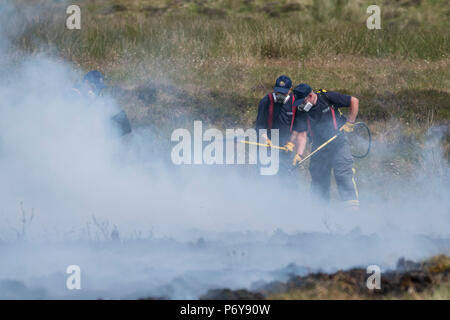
pixel 248 29
pixel 222 56
pixel 103 36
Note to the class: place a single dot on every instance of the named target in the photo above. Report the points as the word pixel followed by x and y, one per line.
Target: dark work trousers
pixel 336 156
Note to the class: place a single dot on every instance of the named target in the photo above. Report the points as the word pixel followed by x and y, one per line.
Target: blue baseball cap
pixel 283 84
pixel 301 92
pixel 96 78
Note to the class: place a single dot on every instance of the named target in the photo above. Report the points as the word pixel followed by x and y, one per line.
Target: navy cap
pixel 96 78
pixel 301 92
pixel 283 84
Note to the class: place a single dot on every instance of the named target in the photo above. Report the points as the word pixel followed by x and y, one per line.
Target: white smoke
pixel 182 230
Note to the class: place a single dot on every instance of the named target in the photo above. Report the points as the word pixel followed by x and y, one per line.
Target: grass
pixel 214 60
pixel 409 281
pixel 348 285
pixel 169 62
pixel 310 30
pixel 440 292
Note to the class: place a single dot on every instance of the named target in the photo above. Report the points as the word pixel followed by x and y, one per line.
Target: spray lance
pixel 355 154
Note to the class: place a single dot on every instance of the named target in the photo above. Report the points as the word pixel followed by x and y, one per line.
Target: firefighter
pixel 276 111
pixel 319 115
pixel 92 87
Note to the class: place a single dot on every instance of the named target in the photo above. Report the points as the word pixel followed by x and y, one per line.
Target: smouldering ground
pixel 187 269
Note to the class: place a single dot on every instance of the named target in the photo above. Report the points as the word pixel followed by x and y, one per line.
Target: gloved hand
pixel 296 160
pixel 268 142
pixel 289 146
pixel 348 127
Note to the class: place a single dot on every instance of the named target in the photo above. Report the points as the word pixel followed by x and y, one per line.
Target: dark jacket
pixel 281 118
pixel 324 119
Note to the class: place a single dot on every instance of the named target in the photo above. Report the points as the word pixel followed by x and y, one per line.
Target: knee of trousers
pixel 343 168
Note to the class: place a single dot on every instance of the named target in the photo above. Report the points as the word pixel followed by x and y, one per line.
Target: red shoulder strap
pixel 270 118
pixel 333 115
pixel 294 109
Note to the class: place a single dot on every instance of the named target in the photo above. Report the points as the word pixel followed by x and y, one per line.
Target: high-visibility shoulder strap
pixel 294 109
pixel 270 117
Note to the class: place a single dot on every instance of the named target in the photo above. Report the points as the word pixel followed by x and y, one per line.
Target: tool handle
pixel 264 145
pixel 323 145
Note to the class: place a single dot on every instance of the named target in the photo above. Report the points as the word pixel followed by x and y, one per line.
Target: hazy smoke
pixel 181 229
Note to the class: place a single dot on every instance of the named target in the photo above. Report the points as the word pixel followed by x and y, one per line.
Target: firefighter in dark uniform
pixel 276 111
pixel 320 116
pixel 92 86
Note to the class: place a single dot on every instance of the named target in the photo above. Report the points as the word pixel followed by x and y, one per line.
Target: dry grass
pixel 430 283
pixel 214 60
pixel 428 279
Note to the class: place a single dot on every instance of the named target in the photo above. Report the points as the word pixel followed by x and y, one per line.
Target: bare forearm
pixel 300 141
pixel 293 137
pixel 354 107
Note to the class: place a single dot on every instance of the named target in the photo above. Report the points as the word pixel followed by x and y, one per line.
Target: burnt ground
pixel 228 265
pixel 426 279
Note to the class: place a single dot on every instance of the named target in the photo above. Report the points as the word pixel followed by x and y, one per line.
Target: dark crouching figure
pixel 92 87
